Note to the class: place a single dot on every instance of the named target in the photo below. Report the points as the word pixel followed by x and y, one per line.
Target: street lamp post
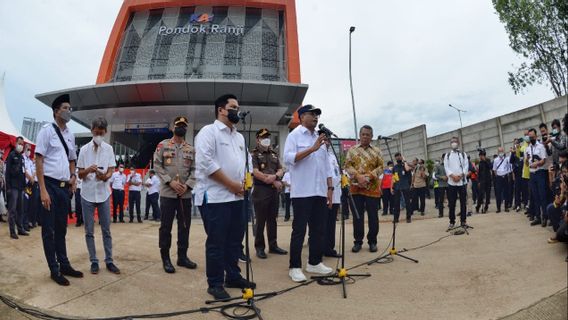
pixel 351 30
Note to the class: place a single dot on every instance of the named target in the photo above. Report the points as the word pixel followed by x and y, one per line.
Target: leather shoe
pixel 185 262
pixel 356 248
pixel 241 283
pixel 60 279
pixel 277 250
pixel 23 233
pixel 69 271
pixel 94 268
pixel 260 253
pixel 14 236
pixel 544 223
pixel 168 267
pixel 218 293
pixel 373 247
pixel 535 222
pixel 112 268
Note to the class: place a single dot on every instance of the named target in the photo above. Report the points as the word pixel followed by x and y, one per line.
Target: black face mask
pixel 180 131
pixel 233 116
pixel 399 161
pixel 533 141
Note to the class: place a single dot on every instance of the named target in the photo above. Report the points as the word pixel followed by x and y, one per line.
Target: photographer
pixel 402 176
pixel 557 141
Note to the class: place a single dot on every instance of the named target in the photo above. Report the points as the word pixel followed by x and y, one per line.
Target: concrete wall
pixel 489 134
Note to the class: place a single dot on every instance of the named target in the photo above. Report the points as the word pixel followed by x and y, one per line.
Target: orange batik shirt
pixel 368 162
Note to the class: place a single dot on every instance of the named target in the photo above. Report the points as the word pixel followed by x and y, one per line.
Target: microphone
pixel 384 138
pixel 243 114
pixel 326 131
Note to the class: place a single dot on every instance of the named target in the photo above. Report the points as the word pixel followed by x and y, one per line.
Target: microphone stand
pixel 341 275
pixel 248 295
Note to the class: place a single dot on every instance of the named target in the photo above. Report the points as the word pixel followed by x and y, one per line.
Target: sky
pixel 410 59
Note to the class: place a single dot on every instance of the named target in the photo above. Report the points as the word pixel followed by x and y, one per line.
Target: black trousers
pixel 371 206
pixel 15 210
pixel 419 199
pixel 442 192
pixel 265 201
pixel 118 203
pixel 387 201
pixel 396 204
pixel 54 226
pixel 287 203
pixel 455 192
pixel 502 191
pixel 78 206
pixel 175 208
pixel 134 202
pixel 32 205
pixel 152 201
pixel 312 212
pixel 329 238
pixel 521 191
pixel 484 194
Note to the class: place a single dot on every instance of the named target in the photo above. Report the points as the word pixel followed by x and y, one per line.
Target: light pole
pixel 459 114
pixel 351 30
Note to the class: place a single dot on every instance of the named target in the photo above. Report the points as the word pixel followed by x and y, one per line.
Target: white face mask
pixel 501 154
pixel 121 170
pixel 98 140
pixel 19 148
pixel 454 145
pixel 265 142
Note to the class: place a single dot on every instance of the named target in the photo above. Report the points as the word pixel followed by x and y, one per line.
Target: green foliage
pixel 537 31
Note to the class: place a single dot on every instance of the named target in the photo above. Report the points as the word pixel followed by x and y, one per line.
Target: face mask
pixel 233 116
pixel 28 153
pixel 180 131
pixel 554 131
pixel 533 141
pixel 98 140
pixel 121 170
pixel 65 115
pixel 454 145
pixel 265 142
pixel 19 148
pixel 399 161
pixel 437 162
pixel 526 138
pixel 501 154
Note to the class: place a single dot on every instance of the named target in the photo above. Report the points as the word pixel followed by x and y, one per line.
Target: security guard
pixel 267 171
pixel 174 165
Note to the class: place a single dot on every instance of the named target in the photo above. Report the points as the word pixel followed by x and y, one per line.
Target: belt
pixel 59 183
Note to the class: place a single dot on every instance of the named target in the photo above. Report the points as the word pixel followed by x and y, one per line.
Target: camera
pixel 536 158
pixel 481 151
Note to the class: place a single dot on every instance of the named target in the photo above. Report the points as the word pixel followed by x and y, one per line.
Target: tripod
pixel 392 251
pixel 248 295
pixel 341 276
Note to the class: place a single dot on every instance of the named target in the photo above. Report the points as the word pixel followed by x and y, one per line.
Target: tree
pixel 537 31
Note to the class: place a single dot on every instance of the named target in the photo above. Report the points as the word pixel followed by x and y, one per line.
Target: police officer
pixel 267 171
pixel 174 165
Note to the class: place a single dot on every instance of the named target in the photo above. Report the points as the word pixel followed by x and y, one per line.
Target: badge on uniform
pixel 169 161
pixel 262 166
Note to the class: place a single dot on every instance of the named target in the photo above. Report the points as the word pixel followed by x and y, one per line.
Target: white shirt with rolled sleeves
pixel 538 150
pixel 134 177
pixel 286 179
pixel 456 163
pixel 218 147
pixel 309 175
pixel 502 166
pixel 92 189
pixel 55 160
pixel 154 183
pixel 118 180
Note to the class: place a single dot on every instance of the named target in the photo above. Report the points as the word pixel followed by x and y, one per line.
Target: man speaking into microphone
pixel 311 174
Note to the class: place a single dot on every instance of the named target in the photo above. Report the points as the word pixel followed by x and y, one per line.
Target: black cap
pixel 59 100
pixel 263 133
pixel 179 120
pixel 309 108
pixel 482 153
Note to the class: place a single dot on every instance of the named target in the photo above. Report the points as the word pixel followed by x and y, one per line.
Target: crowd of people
pixel 217 173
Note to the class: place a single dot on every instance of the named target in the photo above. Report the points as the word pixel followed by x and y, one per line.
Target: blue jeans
pixel 225 225
pixel 54 226
pixel 537 184
pixel 104 220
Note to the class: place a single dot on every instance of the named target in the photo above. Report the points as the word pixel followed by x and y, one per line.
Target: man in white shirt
pixel 311 174
pixel 153 196
pixel 31 206
pixel 55 168
pixel 134 180
pixel 220 172
pixel 329 235
pixel 456 165
pixel 501 171
pixel 96 165
pixel 535 158
pixel 117 182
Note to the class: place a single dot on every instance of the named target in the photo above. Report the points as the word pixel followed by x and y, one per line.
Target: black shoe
pixel 186 263
pixel 277 250
pixel 69 271
pixel 421 213
pixel 544 223
pixel 243 258
pixel 332 255
pixel 168 267
pixel 440 216
pixel 477 209
pixel 14 236
pixel 60 279
pixel 260 253
pixel 241 283
pixel 146 218
pixel 139 220
pixel 121 221
pixel 286 218
pixel 23 233
pixel 112 268
pixel 373 247
pixel 506 209
pixel 536 222
pixel 78 225
pixel 94 268
pixel 498 211
pixel 218 293
pixel 356 248
pixel 113 220
pixel 408 220
pixel 130 221
pixel 517 209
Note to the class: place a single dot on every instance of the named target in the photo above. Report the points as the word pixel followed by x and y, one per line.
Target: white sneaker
pixel 297 275
pixel 319 268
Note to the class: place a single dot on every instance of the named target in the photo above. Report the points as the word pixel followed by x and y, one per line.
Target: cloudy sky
pixel 410 59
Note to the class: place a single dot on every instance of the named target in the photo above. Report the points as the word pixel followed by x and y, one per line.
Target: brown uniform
pixel 265 197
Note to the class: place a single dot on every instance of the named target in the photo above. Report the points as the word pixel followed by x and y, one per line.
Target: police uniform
pixel 175 162
pixel 265 196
